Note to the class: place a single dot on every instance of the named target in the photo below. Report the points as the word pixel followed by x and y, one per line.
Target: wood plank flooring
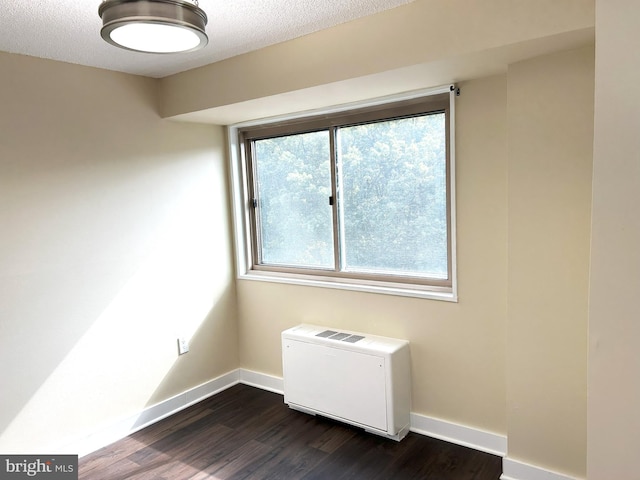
pixel 248 433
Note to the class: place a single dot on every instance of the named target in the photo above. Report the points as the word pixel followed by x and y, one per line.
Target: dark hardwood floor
pixel 247 433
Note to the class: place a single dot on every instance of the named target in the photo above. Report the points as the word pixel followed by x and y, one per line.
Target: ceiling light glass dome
pixel 153 26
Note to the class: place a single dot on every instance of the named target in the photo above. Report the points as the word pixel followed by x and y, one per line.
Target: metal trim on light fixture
pixel 178 14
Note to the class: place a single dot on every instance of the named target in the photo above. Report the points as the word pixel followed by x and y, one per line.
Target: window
pixel 360 198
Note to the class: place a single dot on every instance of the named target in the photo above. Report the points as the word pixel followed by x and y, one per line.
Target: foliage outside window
pixel 358 197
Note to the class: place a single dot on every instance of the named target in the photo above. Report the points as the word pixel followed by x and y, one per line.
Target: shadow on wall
pixel 213 351
pixel 122 260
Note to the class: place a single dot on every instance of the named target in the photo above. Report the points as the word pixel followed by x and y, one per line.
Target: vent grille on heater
pixel 345 337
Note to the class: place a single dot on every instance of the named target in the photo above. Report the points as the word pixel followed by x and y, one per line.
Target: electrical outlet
pixel 183 346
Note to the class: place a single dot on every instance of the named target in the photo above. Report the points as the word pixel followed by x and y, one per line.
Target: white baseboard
pixel 431 427
pixel 515 470
pixel 262 381
pixel 459 434
pixel 421 424
pixel 126 426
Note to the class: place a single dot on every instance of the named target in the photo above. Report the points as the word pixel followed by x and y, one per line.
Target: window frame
pixel 241 137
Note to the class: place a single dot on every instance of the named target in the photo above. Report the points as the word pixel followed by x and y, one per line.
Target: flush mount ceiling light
pixel 153 26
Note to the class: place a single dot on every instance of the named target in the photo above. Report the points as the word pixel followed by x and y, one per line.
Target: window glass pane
pixel 294 185
pixel 393 196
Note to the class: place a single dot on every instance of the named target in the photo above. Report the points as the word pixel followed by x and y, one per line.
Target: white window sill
pixel 384 288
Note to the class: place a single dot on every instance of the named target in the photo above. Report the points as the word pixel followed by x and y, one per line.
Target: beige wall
pixel 435 32
pixel 614 326
pixel 525 252
pixel 550 105
pixel 114 241
pixel 117 232
pixel 510 357
pixel 457 349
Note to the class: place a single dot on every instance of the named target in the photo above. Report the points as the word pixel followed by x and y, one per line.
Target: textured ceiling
pixel 69 30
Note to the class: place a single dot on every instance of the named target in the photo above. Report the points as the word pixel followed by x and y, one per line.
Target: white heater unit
pixel 360 379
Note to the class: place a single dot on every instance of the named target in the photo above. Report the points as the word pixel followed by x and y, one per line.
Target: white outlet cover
pixel 183 346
